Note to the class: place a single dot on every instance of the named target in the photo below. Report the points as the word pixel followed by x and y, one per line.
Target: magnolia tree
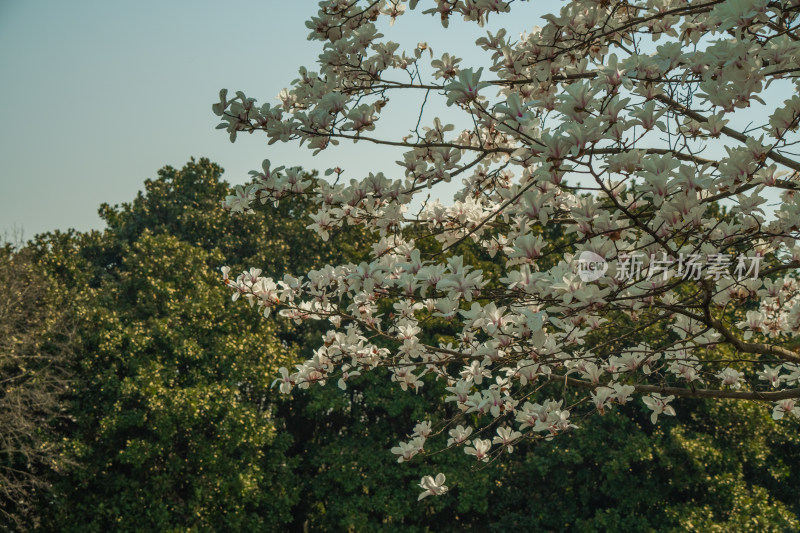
pixel 649 136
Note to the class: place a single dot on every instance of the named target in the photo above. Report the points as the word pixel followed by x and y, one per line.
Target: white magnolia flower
pixel 785 406
pixel 622 392
pixel 658 404
pixel 506 437
pixel 771 375
pixel 480 449
pixel 286 381
pixel 730 378
pixel 601 396
pixel 423 429
pixel 407 450
pixel 433 486
pixel 459 435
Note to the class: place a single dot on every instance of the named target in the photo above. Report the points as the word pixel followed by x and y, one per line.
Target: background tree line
pixel 134 397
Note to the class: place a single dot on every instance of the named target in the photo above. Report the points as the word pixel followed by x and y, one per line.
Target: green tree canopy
pixel 174 425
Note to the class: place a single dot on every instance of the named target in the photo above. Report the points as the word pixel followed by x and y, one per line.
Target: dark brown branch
pixel 739 136
pixel 771 396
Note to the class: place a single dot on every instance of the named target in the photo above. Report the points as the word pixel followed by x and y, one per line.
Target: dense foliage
pixel 173 425
pixel 36 342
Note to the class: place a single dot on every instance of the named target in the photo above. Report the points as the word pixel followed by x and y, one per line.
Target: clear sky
pixel 96 96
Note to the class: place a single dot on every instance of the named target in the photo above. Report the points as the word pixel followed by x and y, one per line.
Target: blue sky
pixel 96 96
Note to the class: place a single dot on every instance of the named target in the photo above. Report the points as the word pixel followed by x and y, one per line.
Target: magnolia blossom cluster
pixel 616 128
